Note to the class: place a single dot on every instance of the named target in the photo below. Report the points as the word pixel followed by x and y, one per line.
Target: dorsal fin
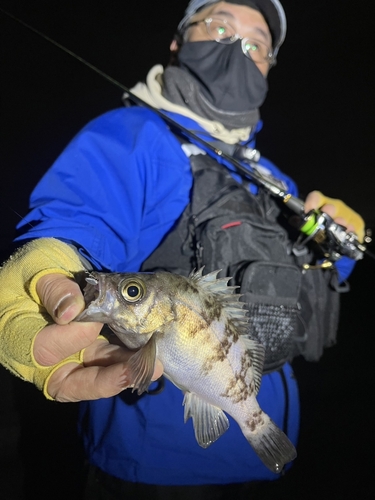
pixel 211 283
pixel 226 295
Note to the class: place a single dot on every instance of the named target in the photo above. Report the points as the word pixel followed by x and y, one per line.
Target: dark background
pixel 319 128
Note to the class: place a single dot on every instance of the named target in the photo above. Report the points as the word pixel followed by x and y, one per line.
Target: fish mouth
pixel 93 290
pixel 95 298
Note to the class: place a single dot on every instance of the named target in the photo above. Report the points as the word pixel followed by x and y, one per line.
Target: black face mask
pixel 226 77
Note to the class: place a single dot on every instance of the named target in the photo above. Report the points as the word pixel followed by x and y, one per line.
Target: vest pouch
pixel 229 242
pixel 271 291
pixel 318 312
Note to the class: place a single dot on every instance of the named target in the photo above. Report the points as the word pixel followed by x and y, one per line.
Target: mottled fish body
pixel 197 327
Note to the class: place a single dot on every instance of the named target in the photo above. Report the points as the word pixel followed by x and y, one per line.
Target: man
pixel 109 201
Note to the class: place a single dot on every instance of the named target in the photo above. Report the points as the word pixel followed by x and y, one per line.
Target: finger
pixel 72 382
pixel 343 222
pixel 61 296
pixel 102 353
pixel 105 373
pixel 57 342
pixel 329 210
pixel 314 200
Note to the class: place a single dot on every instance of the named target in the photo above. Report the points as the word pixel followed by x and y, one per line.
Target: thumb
pixel 314 200
pixel 61 296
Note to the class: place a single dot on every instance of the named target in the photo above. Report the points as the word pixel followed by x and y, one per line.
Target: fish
pixel 198 328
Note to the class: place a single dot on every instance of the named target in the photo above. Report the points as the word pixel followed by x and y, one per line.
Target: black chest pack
pixel 292 310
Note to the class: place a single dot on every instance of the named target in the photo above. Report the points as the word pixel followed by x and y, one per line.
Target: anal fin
pixel 210 422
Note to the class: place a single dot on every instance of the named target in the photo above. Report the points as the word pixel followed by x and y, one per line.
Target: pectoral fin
pixel 209 422
pixel 142 365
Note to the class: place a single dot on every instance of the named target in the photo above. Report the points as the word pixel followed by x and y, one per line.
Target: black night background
pixel 319 127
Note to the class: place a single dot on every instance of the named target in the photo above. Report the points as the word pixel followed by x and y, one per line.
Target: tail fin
pixel 272 446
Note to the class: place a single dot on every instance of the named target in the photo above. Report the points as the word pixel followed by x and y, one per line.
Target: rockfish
pixel 197 327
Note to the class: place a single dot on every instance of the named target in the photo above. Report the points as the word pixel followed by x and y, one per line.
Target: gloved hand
pixel 339 211
pixel 38 341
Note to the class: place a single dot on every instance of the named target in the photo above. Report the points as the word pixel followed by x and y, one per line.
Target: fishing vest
pixel 292 310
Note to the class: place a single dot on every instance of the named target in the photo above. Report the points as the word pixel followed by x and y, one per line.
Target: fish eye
pixel 131 290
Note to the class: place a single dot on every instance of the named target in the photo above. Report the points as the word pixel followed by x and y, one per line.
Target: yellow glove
pixel 339 211
pixel 22 316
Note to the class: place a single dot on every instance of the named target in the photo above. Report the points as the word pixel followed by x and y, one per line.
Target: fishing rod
pixel 334 240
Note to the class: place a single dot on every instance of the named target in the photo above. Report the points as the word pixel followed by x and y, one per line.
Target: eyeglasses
pixel 222 32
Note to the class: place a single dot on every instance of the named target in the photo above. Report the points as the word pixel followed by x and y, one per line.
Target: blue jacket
pixel 115 191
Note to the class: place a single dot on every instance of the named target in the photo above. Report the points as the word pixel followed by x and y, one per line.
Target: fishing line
pixel 65 49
